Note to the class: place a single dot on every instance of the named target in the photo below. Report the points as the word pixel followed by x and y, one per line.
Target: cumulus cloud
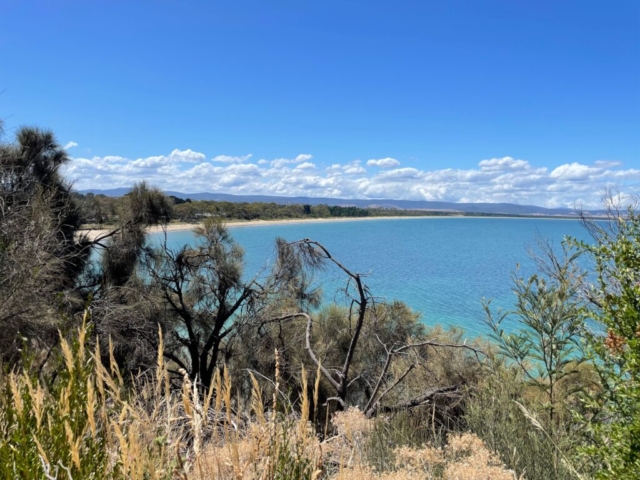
pixel 383 162
pixel 504 179
pixel 175 157
pixel 351 168
pixel 282 162
pixel 575 171
pixel 354 170
pixel 232 159
pixel 187 155
pixel 303 157
pixel 607 163
pixel 306 166
pixel 69 145
pixel 505 163
pixel 401 173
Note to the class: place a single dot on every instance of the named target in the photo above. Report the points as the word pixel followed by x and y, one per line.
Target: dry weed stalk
pixel 149 431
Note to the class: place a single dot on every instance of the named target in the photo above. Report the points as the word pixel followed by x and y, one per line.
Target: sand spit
pixel 180 227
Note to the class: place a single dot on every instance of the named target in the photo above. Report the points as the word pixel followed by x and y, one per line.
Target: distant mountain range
pixel 490 208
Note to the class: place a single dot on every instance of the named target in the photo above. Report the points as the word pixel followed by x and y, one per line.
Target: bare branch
pixel 369 411
pixel 312 354
pixel 428 396
pixel 431 343
pixel 336 399
pixel 387 363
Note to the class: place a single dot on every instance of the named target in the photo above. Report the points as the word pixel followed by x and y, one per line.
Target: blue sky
pixel 522 101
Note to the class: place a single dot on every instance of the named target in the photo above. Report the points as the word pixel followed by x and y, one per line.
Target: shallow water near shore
pixel 441 267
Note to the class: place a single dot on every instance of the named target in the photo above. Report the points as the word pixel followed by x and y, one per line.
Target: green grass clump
pixel 57 432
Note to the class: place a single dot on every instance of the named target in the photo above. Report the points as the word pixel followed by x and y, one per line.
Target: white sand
pixel 178 227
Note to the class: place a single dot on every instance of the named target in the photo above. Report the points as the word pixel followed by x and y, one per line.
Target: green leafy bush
pixel 57 432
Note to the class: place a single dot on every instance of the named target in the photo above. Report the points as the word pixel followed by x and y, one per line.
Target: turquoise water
pixel 441 267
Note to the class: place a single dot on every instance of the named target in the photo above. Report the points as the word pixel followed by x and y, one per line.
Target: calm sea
pixel 441 267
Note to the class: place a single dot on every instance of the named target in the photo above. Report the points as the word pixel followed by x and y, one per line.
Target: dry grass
pixel 89 425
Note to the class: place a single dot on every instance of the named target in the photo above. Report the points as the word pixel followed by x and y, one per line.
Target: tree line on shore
pixel 99 209
pixel 98 332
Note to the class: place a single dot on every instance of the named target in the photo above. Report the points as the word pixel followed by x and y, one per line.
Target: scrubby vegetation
pixel 100 210
pixel 91 423
pixel 123 359
pixel 103 210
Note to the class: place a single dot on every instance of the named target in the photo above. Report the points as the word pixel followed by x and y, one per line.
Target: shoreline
pixel 93 233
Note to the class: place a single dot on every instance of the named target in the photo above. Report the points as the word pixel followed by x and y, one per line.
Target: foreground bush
pixel 86 424
pixel 493 414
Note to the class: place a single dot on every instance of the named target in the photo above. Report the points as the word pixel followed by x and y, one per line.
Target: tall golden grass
pixel 89 424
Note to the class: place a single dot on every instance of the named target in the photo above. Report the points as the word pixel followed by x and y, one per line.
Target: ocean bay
pixel 441 267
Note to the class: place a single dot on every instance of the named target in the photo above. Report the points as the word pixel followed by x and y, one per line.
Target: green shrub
pixel 57 432
pixel 493 414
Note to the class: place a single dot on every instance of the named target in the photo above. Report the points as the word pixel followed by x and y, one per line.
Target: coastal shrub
pixel 430 367
pixel 613 304
pixel 547 345
pixel 46 274
pixel 88 424
pixel 39 255
pixel 492 412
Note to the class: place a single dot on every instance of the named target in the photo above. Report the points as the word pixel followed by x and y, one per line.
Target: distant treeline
pixel 101 209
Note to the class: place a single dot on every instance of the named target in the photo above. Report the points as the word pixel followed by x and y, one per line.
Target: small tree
pixel 547 346
pixel 203 296
pixel 375 368
pixel 123 246
pixel 614 303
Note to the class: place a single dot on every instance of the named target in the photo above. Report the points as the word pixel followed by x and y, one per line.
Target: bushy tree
pixel 116 290
pixel 45 275
pixel 203 298
pixel 40 255
pixel 614 306
pixel 594 301
pixel 547 346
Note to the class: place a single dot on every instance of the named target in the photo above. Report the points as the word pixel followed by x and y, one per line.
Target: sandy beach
pixel 178 227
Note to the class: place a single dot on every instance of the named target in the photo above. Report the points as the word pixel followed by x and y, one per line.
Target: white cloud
pixel 575 171
pixel 175 157
pixel 151 162
pixel 354 170
pixel 401 173
pixel 503 164
pixel 607 163
pixel 306 166
pixel 505 179
pixel 303 157
pixel 186 156
pixel 70 145
pixel 383 162
pixel 246 169
pixel 232 159
pixel 281 162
